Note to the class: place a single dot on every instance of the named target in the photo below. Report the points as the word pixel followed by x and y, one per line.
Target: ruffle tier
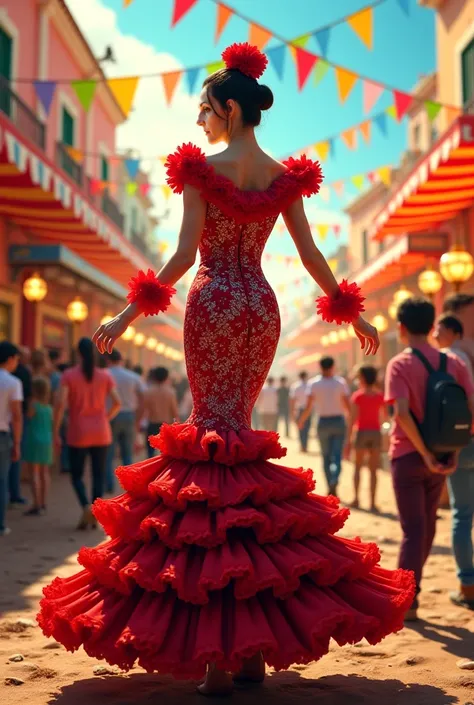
pixel 217 560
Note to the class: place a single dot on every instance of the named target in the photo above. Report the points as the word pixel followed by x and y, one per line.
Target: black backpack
pixel 446 426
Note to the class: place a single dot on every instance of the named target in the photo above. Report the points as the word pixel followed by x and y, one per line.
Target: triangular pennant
pixel 432 109
pixel 337 229
pixel 358 181
pixel 85 92
pixel 338 187
pixel 320 70
pixel 405 5
pixel 391 111
pixel 363 25
pixel 451 113
pixel 191 79
pixel 132 166
pixel 259 36
pixel 224 14
pixel 365 129
pixel 112 188
pixel 322 230
pixel 304 64
pixel 181 7
pixel 96 186
pixel 385 175
pixel 170 81
pixel 302 41
pixel 371 93
pixel 144 189
pixel 75 154
pixel 45 93
pixel 402 103
pixel 131 187
pixel 325 193
pixel 372 177
pixel 124 91
pixel 322 37
pixel 349 137
pixel 166 190
pixel 126 3
pixel 322 148
pixel 214 66
pixel 346 81
pixel 276 57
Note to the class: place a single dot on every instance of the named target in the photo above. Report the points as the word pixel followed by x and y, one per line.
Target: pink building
pixel 53 219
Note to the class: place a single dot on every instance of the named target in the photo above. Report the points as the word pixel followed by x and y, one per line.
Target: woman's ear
pixel 230 107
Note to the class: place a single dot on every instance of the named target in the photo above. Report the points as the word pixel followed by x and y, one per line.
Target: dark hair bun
pixel 266 97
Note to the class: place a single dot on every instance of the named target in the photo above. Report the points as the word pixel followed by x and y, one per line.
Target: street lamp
pixel 456 266
pixel 35 288
pixel 430 281
pixel 151 343
pixel 380 322
pixel 77 310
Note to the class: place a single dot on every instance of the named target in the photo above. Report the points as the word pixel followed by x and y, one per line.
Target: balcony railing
pixel 21 115
pixel 111 209
pixel 138 240
pixel 469 106
pixel 69 165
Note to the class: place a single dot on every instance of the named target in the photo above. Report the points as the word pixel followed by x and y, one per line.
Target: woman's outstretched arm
pixel 192 225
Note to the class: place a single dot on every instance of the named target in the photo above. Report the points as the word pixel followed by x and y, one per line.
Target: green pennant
pixel 132 187
pixel 320 70
pixel 392 111
pixel 302 41
pixel 432 108
pixel 85 92
pixel 215 66
pixel 358 180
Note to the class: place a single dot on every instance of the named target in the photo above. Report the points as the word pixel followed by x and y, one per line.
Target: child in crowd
pixel 366 416
pixel 38 452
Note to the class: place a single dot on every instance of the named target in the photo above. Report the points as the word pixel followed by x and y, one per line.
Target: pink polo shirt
pixel 87 404
pixel 406 378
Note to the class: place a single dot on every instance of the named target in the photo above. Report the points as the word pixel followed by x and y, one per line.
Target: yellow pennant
pixel 332 264
pixel 392 111
pixel 346 81
pixel 322 148
pixel 166 190
pixel 363 25
pixel 385 175
pixel 124 91
pixel 323 231
pixel 75 154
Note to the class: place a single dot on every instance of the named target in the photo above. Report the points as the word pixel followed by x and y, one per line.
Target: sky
pixel 144 42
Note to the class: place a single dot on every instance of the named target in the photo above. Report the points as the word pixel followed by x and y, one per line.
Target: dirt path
pixel 418 666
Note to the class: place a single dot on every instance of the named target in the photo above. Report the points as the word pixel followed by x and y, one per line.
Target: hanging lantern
pixel 35 288
pixel 430 281
pixel 380 322
pixel 139 339
pixel 343 334
pixel 324 341
pixel 151 343
pixel 456 266
pixel 106 319
pixel 129 334
pixel 351 332
pixel 401 295
pixel 333 337
pixel 392 311
pixel 160 348
pixel 77 310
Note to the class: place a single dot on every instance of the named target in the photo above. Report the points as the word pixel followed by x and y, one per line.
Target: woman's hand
pixel 368 336
pixel 106 335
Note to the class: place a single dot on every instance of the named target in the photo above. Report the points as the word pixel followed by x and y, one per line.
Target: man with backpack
pixel 433 398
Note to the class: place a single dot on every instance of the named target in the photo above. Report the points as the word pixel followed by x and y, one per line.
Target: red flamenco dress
pixel 215 552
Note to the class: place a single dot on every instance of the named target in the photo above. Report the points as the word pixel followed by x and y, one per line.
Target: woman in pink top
pixel 84 391
pixel 367 410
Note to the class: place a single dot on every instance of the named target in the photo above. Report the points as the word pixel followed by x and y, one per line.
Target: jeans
pixel 417 492
pixel 461 494
pixel 14 474
pixel 153 430
pixel 304 432
pixel 5 463
pixel 77 460
pixel 123 434
pixel 331 435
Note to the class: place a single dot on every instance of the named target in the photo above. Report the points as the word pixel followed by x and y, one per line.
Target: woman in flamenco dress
pixel 220 561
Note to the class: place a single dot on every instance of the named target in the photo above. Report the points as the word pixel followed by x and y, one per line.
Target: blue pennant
pixel 191 78
pixel 322 37
pixel 381 122
pixel 276 56
pixel 405 5
pixel 132 166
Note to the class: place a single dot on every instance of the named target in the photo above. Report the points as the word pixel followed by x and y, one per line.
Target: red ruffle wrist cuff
pixel 149 294
pixel 344 307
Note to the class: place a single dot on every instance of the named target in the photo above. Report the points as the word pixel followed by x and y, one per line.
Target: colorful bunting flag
pixel 349 137
pixel 126 3
pixel 132 166
pixel 372 177
pixel 371 93
pixel 337 229
pixel 75 154
pixel 323 231
pixel 325 193
pixel 385 175
pixel 338 187
pixel 391 111
pixel 432 109
pixel 346 81
pixel 405 5
pixel 402 103
pixel 320 70
pixel 166 191
pixel 85 92
pixel 191 79
pixel 381 122
pixel 214 66
pixel 302 41
pixel 170 81
pixel 322 37
pixel 304 64
pixel 224 14
pixel 131 188
pixel 358 181
pixel 45 93
pixel 144 189
pixel 96 186
pixel 365 129
pixel 124 91
pixel 322 148
pixel 363 25
pixel 276 57
pixel 259 36
pixel 181 8
pixel 451 114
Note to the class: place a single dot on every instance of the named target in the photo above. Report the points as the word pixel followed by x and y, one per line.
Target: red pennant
pixel 402 103
pixel 372 177
pixel 181 7
pixel 95 186
pixel 337 230
pixel 304 63
pixel 144 189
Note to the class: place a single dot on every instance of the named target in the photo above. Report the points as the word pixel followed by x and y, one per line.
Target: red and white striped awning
pixel 437 189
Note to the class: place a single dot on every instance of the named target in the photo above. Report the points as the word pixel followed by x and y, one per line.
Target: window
pixel 6 49
pixel 467 68
pixel 67 132
pixel 104 169
pixel 365 247
pixel 416 136
pixel 434 134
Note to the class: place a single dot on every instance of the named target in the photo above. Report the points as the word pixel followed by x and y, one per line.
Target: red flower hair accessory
pixel 344 307
pixel 246 58
pixel 149 294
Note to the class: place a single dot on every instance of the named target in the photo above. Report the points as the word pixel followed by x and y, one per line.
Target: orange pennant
pixel 346 81
pixel 224 14
pixel 364 128
pixel 362 24
pixel 170 81
pixel 349 137
pixel 259 36
pixel 451 114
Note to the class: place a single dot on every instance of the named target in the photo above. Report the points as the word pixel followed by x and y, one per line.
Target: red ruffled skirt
pixel 217 554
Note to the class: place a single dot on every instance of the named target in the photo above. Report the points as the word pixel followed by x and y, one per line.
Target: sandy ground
pixel 418 666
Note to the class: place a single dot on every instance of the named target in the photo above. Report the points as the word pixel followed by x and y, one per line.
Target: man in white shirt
pixel 298 401
pixel 11 421
pixel 267 406
pixel 329 395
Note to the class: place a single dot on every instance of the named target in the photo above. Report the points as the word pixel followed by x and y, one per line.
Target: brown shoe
pixel 464 597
